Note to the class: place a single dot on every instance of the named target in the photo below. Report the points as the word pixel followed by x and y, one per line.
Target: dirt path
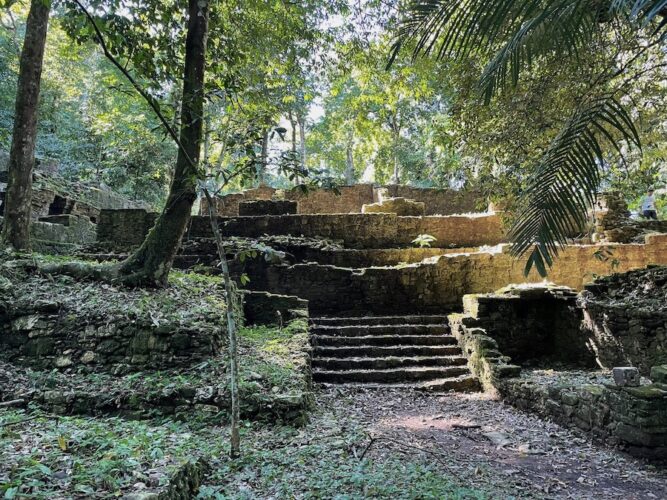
pixel 486 444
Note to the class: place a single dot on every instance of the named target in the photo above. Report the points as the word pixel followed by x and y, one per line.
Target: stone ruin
pixel 384 313
pixel 613 223
pixel 64 213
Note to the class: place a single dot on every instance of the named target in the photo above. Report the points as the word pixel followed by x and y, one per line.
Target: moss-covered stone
pixel 659 374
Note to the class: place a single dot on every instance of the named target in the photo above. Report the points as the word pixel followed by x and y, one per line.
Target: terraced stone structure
pixel 379 304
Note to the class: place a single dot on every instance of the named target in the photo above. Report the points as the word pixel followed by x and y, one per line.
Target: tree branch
pixel 147 97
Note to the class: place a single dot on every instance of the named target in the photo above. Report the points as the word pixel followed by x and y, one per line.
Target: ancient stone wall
pixel 348 199
pixel 628 331
pixel 228 205
pixel 351 199
pixel 360 258
pixel 43 338
pixel 53 195
pixel 534 325
pixel 441 284
pixel 439 201
pixel 634 417
pixel 267 207
pixel 263 308
pixel 365 230
pixel 124 227
pixel 490 329
pixel 51 234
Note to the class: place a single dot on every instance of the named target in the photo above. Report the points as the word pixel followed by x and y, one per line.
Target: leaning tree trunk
pixel 16 227
pixel 151 263
pixel 235 436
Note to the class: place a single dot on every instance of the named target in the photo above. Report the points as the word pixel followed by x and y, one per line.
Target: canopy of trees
pixel 298 92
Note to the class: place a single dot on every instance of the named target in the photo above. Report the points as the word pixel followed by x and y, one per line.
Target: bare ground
pixel 485 444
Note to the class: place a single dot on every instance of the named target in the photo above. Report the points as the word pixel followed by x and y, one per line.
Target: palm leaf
pixel 454 29
pixel 562 28
pixel 564 184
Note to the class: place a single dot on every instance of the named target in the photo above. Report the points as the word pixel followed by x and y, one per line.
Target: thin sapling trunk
pixel 235 438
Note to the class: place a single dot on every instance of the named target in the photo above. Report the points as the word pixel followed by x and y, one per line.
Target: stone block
pixel 659 374
pixel 268 207
pixel 626 376
pixel 398 206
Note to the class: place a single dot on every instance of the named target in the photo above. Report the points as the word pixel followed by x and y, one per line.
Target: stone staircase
pixel 412 352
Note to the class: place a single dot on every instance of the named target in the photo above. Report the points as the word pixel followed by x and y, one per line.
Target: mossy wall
pixel 365 230
pixel 628 329
pixel 438 284
pixel 634 417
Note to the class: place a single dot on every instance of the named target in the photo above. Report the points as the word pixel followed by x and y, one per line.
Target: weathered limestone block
pixel 626 376
pixel 124 227
pixel 64 229
pixel 263 308
pixel 634 417
pixel 659 374
pixel 398 206
pixel 268 207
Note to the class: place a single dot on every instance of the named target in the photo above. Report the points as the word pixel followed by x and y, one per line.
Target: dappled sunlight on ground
pixel 489 445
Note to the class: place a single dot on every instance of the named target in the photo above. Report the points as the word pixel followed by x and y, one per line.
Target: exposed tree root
pixel 108 273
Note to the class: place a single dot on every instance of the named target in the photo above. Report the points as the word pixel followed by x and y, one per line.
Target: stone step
pixel 462 383
pixel 382 340
pixel 374 351
pixel 403 374
pixel 365 330
pixel 380 320
pixel 367 363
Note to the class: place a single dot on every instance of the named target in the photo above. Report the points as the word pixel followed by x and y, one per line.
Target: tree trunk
pixel 293 127
pixel 264 159
pixel 395 178
pixel 207 138
pixel 151 263
pixel 302 138
pixel 349 164
pixel 292 122
pixel 18 198
pixel 235 437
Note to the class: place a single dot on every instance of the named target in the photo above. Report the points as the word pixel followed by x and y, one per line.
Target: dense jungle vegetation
pixel 318 84
pixel 539 105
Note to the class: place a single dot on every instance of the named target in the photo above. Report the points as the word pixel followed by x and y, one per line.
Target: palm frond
pixel 563 186
pixel 561 28
pixel 454 29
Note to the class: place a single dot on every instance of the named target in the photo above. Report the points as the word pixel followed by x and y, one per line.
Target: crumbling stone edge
pixel 632 418
pixel 184 483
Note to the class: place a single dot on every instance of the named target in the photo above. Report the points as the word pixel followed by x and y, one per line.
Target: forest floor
pixel 358 444
pixel 483 448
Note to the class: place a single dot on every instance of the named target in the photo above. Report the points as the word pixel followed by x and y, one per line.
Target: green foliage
pixel 379 118
pixel 90 123
pixel 79 456
pixel 513 38
pixel 424 240
pixel 328 470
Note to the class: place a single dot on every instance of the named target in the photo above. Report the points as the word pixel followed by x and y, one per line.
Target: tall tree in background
pixel 151 263
pixel 16 227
